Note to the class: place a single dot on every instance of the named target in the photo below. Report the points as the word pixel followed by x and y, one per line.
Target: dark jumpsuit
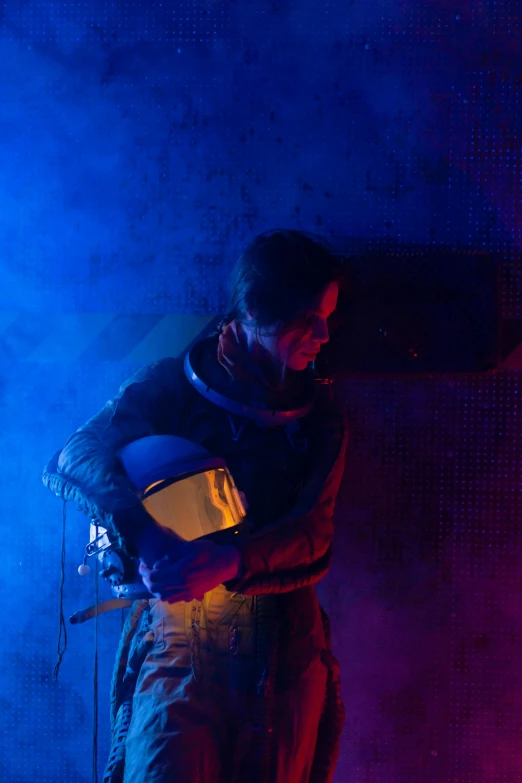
pixel 193 701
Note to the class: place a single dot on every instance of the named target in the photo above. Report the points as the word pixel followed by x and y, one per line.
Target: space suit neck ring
pixel 264 416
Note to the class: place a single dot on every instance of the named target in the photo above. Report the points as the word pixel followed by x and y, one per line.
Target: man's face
pixel 301 342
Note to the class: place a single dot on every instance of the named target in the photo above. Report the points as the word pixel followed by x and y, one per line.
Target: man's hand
pixel 191 570
pixel 154 541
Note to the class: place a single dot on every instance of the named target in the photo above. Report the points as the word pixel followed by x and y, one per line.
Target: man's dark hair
pixel 278 276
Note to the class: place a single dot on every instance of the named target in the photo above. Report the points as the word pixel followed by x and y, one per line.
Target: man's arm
pixel 89 459
pixel 296 549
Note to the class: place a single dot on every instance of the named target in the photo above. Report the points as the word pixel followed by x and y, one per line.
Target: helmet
pixel 184 488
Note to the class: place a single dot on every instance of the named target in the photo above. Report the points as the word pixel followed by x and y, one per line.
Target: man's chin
pixel 300 363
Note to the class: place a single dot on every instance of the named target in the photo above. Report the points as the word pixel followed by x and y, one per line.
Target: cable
pixel 63 628
pixel 95 678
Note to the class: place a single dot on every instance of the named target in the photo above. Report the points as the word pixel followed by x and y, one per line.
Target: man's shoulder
pixel 167 372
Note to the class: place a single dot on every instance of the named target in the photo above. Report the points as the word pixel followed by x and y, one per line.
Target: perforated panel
pixel 423 590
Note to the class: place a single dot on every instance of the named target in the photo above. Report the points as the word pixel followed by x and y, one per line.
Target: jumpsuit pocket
pixel 170 627
pixel 230 622
pixel 225 608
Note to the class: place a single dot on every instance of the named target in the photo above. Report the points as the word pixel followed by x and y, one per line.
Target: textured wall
pixel 425 582
pixel 141 145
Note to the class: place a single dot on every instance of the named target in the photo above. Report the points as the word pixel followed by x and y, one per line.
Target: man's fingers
pixel 174 555
pixel 174 599
pixel 166 581
pixel 171 564
pixel 161 563
pixel 167 561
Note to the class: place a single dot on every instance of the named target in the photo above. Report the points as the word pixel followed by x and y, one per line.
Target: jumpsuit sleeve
pixel 89 462
pixel 301 540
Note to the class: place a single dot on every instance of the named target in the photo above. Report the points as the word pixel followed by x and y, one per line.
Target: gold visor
pixel 196 505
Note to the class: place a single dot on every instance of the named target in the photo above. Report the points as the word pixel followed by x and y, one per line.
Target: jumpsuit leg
pixel 175 735
pixel 180 730
pixel 298 712
pixel 173 742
